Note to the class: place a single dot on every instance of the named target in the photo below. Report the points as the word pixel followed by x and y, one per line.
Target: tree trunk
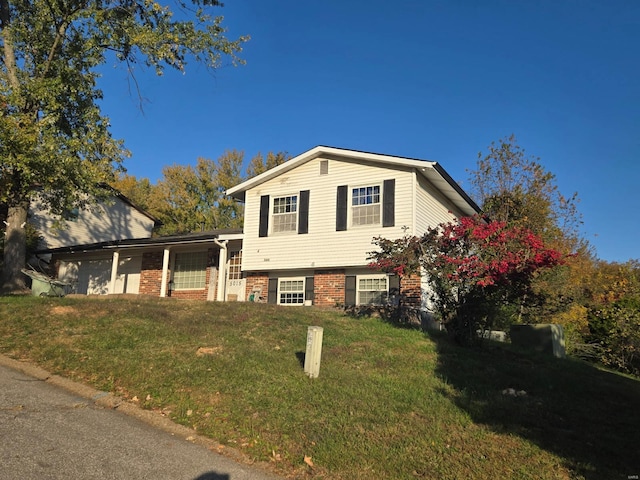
pixel 15 249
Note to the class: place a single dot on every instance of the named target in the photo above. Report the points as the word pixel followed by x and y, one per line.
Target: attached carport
pixel 117 266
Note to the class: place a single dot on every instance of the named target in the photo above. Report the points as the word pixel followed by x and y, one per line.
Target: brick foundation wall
pixel 190 294
pixel 257 279
pixel 410 288
pixel 328 288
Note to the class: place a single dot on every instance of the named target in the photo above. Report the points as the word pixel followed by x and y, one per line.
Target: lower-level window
pixel 372 290
pixel 291 291
pixel 190 271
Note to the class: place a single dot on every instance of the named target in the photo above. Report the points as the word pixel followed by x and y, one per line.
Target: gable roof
pixel 432 171
pixel 118 194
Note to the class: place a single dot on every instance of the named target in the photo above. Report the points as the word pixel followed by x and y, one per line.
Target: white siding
pixel 92 274
pixel 128 278
pixel 323 246
pixel 104 222
pixel 432 207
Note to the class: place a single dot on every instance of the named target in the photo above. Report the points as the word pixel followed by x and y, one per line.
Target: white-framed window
pixel 365 205
pixel 372 289
pixel 285 214
pixel 190 271
pixel 291 291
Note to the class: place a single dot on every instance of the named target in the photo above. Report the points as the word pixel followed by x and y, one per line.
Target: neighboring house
pixel 117 219
pixel 309 224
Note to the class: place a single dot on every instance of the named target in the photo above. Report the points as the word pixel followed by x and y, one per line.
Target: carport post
pixel 222 273
pixel 165 271
pixel 114 271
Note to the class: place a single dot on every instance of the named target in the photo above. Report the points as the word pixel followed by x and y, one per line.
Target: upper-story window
pixel 71 215
pixel 365 205
pixel 285 213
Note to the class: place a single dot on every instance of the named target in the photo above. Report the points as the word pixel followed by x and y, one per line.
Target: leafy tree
pixel 136 190
pixel 474 267
pixel 193 198
pixel 615 330
pixel 515 188
pixel 174 201
pixel 190 199
pixel 54 139
pixel 227 175
pixel 259 164
pixel 610 282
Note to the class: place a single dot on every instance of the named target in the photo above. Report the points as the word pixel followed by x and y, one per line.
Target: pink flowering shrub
pixel 474 268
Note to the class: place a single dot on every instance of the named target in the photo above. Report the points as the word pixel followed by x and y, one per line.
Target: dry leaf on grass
pixel 308 461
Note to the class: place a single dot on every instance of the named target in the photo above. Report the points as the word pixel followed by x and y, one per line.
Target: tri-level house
pixel 308 230
pixel 309 224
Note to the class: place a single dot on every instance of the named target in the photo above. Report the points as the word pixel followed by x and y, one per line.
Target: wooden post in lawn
pixel 314 352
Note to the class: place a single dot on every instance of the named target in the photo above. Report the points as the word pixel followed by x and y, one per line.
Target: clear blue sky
pixel 436 80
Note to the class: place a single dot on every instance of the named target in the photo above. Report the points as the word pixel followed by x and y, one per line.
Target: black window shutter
pixel 394 285
pixel 263 229
pixel 303 214
pixel 308 288
pixel 272 295
pixel 388 203
pixel 341 208
pixel 350 290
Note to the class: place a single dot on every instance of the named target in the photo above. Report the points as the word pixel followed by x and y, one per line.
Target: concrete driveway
pixel 51 428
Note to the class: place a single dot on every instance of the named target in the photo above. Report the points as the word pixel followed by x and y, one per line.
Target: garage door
pixel 128 280
pixel 94 277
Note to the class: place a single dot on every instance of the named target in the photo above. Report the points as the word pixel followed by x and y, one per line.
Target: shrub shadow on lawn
pixel 585 415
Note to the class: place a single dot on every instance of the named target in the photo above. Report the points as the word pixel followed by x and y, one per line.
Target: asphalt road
pixel 48 432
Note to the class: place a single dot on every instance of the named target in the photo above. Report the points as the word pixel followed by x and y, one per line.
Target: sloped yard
pixel 390 403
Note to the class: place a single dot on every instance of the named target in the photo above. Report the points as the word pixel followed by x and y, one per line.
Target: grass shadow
pixel 301 356
pixel 398 316
pixel 587 416
pixel 212 476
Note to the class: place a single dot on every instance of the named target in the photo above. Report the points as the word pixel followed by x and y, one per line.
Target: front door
pixel 235 282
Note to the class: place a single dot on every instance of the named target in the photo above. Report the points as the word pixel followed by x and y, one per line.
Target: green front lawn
pixel 390 403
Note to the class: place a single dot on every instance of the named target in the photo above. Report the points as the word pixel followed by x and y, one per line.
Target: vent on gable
pixel 324 167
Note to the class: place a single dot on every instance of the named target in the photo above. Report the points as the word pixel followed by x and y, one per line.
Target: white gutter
pixel 222 265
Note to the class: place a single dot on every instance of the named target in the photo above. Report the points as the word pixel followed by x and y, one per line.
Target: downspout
pixel 165 270
pixel 115 261
pixel 222 266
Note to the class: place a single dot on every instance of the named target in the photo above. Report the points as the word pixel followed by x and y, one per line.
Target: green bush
pixel 615 328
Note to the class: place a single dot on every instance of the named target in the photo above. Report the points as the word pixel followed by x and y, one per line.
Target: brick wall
pixel 151 276
pixel 411 289
pixel 328 288
pixel 190 294
pixel 259 280
pixel 151 273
